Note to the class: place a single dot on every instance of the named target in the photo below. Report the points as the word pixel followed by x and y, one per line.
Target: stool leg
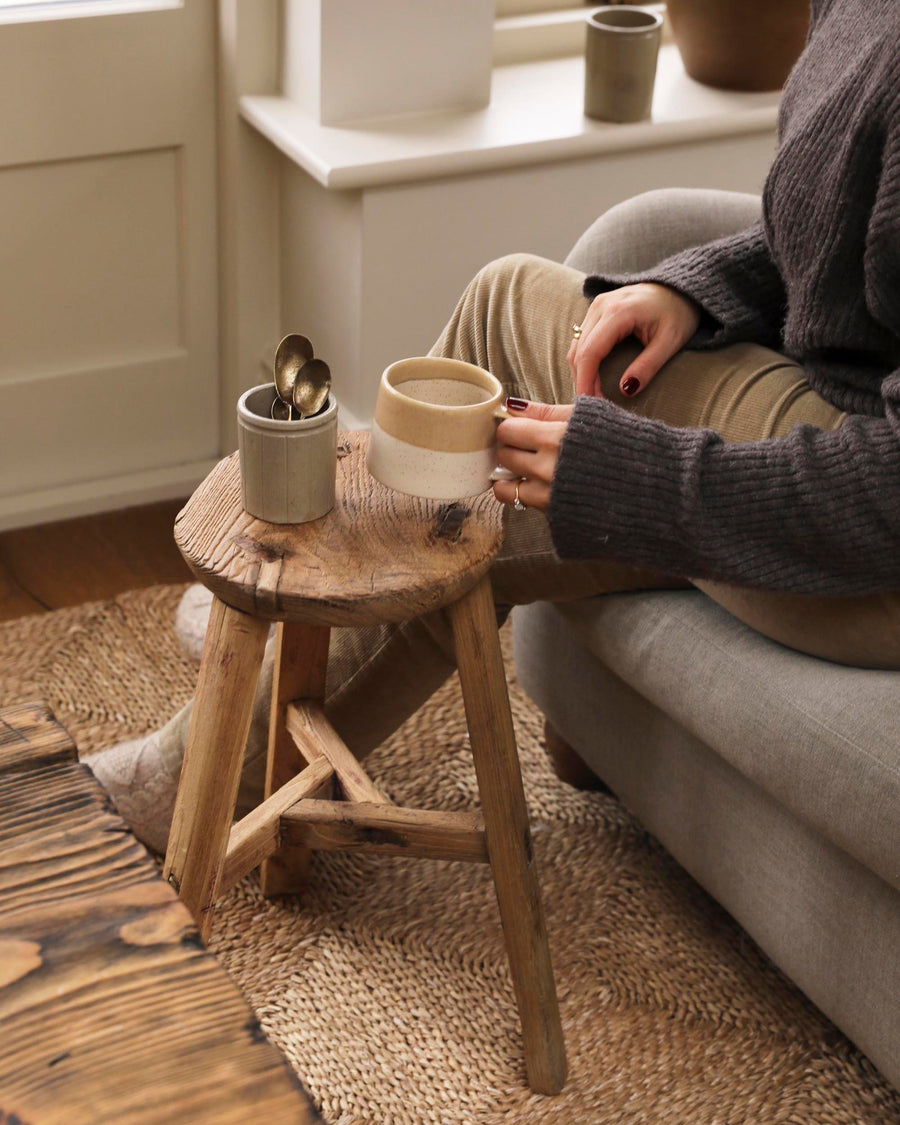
pixel 210 775
pixel 301 660
pixel 508 835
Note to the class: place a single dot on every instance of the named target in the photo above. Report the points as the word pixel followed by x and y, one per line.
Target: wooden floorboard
pixel 88 559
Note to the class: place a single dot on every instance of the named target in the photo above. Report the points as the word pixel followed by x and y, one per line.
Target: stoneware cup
pixel 288 469
pixel 434 432
pixel 621 51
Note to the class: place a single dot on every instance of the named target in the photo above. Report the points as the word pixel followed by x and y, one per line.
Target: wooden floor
pixel 82 560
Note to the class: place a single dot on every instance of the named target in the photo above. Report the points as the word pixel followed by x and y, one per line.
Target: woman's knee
pixel 509 273
pixel 515 319
pixel 516 282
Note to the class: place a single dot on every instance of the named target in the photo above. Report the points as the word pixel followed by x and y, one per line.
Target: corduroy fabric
pixel 818 278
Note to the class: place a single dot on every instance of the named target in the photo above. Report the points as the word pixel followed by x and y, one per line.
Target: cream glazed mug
pixel 434 432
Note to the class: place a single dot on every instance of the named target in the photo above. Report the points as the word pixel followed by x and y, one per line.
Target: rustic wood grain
pixel 301 663
pixel 496 758
pixel 398 556
pixel 28 738
pixel 313 734
pixel 111 1011
pixel 257 835
pixel 378 557
pixel 214 753
pixel 385 829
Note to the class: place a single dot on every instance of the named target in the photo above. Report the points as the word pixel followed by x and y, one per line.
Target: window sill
pixel 50 11
pixel 535 116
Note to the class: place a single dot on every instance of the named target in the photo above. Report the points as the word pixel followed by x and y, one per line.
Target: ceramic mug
pixel 434 432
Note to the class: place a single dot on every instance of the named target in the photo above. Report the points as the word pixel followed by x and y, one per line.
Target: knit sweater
pixel 818 279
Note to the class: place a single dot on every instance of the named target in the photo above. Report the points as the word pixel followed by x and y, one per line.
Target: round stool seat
pixel 378 557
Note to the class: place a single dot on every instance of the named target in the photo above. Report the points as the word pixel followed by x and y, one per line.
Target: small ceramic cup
pixel 434 432
pixel 621 53
pixel 288 469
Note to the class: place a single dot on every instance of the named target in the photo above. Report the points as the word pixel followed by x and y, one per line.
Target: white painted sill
pixel 535 117
pixel 48 11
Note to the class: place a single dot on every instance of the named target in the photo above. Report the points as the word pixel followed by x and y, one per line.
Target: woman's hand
pixel 528 445
pixel 661 318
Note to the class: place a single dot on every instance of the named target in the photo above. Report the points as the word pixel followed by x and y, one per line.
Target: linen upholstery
pixel 820 738
pixel 754 813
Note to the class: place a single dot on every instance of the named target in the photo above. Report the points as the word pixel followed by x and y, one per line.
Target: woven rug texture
pixel 387 985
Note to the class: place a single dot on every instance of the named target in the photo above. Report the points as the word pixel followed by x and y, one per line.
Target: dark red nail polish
pixel 516 404
pixel 631 386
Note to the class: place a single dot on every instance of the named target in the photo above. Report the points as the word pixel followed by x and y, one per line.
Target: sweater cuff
pixel 711 333
pixel 619 488
pixel 745 305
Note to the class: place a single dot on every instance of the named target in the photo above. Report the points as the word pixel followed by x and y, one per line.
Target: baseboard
pixel 90 497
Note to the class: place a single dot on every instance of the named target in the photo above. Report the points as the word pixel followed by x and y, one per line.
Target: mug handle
pixel 500 412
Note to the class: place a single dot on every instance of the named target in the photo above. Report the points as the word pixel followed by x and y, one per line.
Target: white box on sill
pixel 349 60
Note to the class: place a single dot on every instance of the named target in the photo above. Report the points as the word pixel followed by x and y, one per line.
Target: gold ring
pixel 517 503
pixel 576 331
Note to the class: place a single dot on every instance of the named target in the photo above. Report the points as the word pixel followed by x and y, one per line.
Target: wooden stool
pixel 378 557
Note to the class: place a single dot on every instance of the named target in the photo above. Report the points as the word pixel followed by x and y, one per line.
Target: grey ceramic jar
pixel 621 52
pixel 288 469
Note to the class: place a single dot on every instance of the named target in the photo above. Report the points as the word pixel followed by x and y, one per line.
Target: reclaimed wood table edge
pixel 151 931
pixel 30 735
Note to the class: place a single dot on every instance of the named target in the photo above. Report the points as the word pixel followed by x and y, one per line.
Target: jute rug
pixel 387 986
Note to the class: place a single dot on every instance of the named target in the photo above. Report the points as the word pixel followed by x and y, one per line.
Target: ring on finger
pixel 517 503
pixel 576 331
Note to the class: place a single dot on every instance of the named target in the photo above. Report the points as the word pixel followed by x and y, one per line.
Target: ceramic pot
pixel 288 469
pixel 621 50
pixel 739 44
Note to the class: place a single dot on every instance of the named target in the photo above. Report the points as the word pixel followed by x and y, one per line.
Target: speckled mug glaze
pixel 434 432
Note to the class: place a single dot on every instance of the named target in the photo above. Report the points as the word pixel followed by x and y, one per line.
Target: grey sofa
pixel 772 777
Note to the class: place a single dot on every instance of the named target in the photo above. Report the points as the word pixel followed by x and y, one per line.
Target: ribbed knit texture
pixel 819 279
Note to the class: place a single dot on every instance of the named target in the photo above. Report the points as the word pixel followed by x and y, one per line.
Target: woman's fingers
pixel 529 464
pixel 521 410
pixel 528 446
pixel 641 372
pixel 595 345
pixel 530 493
pixel 661 318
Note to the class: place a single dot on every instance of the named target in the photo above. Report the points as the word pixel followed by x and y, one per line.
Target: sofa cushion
pixel 821 738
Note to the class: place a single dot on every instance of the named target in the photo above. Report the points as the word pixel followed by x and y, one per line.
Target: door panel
pixel 108 350
pixel 105 284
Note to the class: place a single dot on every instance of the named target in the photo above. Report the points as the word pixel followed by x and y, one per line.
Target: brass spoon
pixel 311 387
pixel 290 356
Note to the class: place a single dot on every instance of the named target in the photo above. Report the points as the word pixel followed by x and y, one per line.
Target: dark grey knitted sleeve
pixel 734 280
pixel 814 512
